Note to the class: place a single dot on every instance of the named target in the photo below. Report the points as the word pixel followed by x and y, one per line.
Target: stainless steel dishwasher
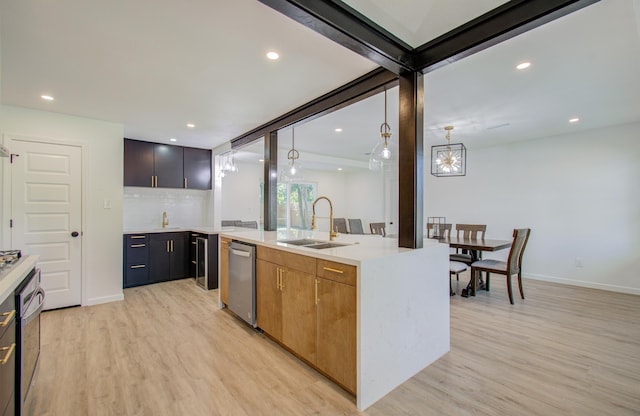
pixel 242 281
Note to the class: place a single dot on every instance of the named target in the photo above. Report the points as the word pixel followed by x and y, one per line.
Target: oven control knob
pixel 75 234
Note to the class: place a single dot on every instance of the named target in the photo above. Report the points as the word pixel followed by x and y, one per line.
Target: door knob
pixel 75 234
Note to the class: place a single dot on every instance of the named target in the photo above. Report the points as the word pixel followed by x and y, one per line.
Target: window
pixel 294 204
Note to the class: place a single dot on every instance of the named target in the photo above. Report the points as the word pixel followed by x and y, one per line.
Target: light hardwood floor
pixel 168 350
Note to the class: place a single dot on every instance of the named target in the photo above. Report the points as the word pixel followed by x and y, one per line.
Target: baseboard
pixel 581 283
pixel 104 299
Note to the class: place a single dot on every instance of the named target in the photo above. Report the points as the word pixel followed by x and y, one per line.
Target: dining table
pixel 475 246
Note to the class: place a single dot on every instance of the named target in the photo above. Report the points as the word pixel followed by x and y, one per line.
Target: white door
pixel 46 211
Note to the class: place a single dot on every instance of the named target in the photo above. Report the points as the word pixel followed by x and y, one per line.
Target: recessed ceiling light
pixel 46 97
pixel 523 65
pixel 338 130
pixel 261 160
pixel 173 140
pixel 574 120
pixel 339 168
pixel 190 125
pixel 273 55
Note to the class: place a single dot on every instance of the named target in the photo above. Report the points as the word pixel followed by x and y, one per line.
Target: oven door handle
pixel 36 311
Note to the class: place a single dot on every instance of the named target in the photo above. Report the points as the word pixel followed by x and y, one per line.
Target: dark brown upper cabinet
pixel 158 165
pixel 197 168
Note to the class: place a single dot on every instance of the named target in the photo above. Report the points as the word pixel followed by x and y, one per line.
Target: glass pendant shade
pixel 385 151
pixel 449 159
pixel 293 170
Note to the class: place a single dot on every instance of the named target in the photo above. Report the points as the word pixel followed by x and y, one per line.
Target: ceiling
pixel 155 66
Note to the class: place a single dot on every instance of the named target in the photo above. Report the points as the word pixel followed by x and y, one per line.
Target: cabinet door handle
pixel 153 183
pixel 138 266
pixel 9 351
pixel 172 246
pixel 317 300
pixel 283 271
pixel 138 236
pixel 137 245
pixel 167 246
pixel 329 269
pixel 185 183
pixel 9 317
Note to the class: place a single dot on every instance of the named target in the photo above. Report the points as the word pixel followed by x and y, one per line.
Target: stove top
pixel 8 258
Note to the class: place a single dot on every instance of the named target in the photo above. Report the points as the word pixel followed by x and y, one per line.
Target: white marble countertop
pixel 14 274
pixel 359 247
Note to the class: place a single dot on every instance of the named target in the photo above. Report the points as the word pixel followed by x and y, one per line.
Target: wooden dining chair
pixel 512 266
pixel 472 232
pixel 445 228
pixel 355 226
pixel 340 225
pixel 377 228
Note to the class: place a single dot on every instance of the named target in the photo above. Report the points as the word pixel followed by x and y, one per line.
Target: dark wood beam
pixel 356 90
pixel 345 26
pixel 411 161
pixel 507 21
pixel 271 181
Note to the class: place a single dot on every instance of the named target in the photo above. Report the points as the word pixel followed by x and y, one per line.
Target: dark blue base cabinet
pixel 160 257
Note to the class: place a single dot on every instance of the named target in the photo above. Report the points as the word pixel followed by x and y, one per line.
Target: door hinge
pixel 10 223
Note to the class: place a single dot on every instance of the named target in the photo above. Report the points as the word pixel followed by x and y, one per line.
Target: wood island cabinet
pixel 224 270
pixel 309 306
pixel 337 322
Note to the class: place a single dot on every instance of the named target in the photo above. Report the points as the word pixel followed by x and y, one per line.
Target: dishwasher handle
pixel 240 253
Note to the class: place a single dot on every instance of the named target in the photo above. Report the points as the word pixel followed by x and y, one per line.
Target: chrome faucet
pixel 332 233
pixel 165 219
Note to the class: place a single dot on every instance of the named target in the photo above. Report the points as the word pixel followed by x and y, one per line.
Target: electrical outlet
pixel 579 262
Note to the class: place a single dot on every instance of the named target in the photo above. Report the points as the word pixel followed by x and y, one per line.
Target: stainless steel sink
pixel 301 242
pixel 311 243
pixel 319 246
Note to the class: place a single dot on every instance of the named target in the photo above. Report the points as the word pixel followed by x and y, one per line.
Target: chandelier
pixel 449 159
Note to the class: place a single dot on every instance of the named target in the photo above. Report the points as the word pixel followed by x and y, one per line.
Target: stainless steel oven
pixel 29 303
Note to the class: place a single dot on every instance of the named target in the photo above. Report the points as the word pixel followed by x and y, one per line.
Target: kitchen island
pixel 401 302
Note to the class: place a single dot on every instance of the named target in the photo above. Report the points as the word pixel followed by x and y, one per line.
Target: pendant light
pixel 293 170
pixel 449 159
pixel 382 154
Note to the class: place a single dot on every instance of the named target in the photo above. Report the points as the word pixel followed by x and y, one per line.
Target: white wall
pixel 578 193
pixel 103 169
pixel 240 192
pixel 185 208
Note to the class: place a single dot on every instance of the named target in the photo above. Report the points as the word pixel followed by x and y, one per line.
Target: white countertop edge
pixel 202 230
pixel 16 275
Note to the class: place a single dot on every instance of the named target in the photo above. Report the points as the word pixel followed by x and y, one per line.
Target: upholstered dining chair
pixel 377 228
pixel 512 266
pixel 455 267
pixel 340 225
pixel 248 224
pixel 472 232
pixel 355 226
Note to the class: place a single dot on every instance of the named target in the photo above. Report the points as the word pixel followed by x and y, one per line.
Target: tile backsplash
pixel 143 208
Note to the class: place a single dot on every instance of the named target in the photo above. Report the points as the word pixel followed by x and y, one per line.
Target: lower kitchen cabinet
pixel 309 310
pixel 336 348
pixel 136 260
pixel 155 257
pixel 224 270
pixel 168 256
